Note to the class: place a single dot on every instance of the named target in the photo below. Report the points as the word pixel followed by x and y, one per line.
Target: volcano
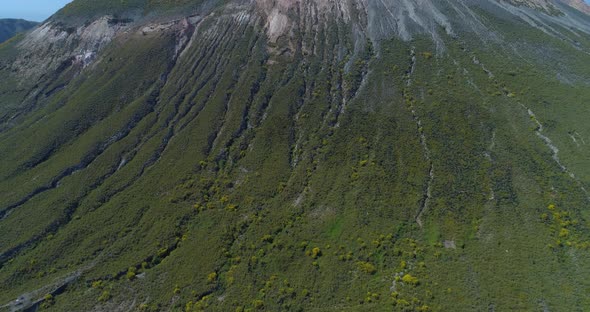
pixel 297 155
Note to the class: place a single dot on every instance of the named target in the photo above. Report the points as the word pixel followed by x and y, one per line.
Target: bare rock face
pixel 382 19
pixel 545 5
pixel 406 18
pixel 49 46
pixel 374 20
pixel 578 4
pixel 52 45
pixel 282 15
pixel 368 19
pixel 549 6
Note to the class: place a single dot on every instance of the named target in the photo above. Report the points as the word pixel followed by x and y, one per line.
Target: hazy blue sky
pixel 33 10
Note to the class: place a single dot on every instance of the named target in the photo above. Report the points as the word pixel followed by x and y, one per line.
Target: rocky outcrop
pixel 543 5
pixel 49 46
pixel 382 19
pixel 578 4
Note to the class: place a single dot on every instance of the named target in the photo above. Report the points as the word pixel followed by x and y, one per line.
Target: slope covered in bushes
pixel 297 156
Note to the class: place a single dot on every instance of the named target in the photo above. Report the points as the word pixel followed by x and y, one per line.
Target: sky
pixel 32 10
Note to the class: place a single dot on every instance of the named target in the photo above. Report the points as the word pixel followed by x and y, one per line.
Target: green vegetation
pixel 104 296
pixel 409 279
pixel 239 178
pixel 10 27
pixel 48 301
pixel 367 267
pixel 81 11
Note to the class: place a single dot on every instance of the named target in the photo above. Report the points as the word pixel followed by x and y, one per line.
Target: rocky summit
pixel 297 155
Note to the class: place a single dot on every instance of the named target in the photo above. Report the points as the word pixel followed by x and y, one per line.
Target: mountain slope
pixel 10 27
pixel 579 4
pixel 311 155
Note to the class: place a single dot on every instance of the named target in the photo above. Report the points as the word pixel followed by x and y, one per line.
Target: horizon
pixel 31 10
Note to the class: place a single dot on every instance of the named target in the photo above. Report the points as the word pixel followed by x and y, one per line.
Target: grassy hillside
pixel 322 172
pixel 10 27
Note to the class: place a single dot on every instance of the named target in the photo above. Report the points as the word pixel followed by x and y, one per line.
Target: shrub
pixel 427 55
pixel 411 280
pixel 98 284
pixel 162 252
pixel 267 238
pixel 105 296
pixel 258 304
pixel 367 267
pixel 212 277
pixel 304 292
pixel 371 297
pixel 48 301
pixel 564 233
pixel 402 302
pixel 253 260
pixel 131 273
pixel 200 305
pixel 316 252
